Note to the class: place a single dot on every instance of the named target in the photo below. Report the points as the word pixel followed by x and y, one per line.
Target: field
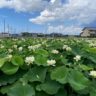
pixel 48 67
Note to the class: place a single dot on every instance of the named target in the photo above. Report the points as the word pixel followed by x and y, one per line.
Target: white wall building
pixel 88 32
pixel 2 35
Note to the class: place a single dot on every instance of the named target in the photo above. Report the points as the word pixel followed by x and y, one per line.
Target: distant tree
pixel 25 34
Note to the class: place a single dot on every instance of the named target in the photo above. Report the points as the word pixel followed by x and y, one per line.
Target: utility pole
pixel 4 25
pixel 11 29
pixel 8 29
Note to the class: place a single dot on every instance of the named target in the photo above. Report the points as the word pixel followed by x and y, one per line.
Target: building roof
pixel 89 28
pixel 4 33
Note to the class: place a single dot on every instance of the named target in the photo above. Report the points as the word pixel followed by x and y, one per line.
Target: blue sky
pixel 18 21
pixel 47 16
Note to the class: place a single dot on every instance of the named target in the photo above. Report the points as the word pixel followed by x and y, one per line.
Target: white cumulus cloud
pixel 65 29
pixel 24 5
pixel 52 1
pixel 81 11
pixel 42 18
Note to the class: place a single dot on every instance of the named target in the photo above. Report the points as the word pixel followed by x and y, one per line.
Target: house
pixel 33 34
pixel 88 32
pixel 27 34
pixel 3 34
pixel 15 35
pixel 56 35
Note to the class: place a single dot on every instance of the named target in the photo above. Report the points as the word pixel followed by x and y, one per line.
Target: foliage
pixel 60 67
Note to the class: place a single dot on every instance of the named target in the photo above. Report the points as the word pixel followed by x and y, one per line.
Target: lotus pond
pixel 48 67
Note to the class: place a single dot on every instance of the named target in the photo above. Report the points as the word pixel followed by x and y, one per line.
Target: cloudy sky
pixel 47 16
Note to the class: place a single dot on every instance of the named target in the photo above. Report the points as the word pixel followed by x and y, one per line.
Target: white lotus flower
pixel 29 60
pixel 10 50
pixel 68 49
pixel 15 46
pixel 93 73
pixel 77 58
pixel 30 48
pixel 65 46
pixel 23 39
pixel 20 48
pixel 1 46
pixel 55 51
pixel 34 47
pixel 9 57
pixel 51 62
pixel 15 39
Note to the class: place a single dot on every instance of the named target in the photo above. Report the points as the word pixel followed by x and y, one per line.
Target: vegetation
pixel 48 67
